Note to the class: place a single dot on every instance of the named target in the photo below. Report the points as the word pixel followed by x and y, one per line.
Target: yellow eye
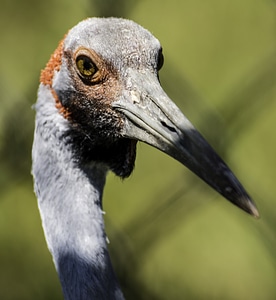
pixel 86 66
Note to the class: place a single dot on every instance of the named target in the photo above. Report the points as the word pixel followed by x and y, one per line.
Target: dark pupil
pixel 87 65
pixel 160 61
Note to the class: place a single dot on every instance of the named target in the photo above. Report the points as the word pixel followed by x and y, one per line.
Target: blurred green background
pixel 171 236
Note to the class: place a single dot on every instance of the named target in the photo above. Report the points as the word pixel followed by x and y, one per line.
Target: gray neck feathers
pixel 70 200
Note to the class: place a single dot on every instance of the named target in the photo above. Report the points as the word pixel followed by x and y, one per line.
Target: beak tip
pixel 251 208
pixel 254 212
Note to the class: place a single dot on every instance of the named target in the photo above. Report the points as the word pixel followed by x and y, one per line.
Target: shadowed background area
pixel 171 236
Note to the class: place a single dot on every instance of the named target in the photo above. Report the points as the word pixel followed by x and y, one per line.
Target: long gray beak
pixel 152 117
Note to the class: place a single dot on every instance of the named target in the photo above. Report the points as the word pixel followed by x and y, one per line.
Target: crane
pixel 99 95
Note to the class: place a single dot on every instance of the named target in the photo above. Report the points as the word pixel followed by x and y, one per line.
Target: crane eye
pixel 86 66
pixel 160 60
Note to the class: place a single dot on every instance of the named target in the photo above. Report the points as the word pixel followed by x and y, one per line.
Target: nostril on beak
pixel 172 129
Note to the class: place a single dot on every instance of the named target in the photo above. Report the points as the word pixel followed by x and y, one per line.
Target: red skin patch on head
pixel 47 75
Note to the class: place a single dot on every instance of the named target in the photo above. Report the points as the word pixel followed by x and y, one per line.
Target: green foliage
pixel 171 236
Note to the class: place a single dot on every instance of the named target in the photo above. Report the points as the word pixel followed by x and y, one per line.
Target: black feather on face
pixel 118 155
pixel 95 136
pixel 95 128
pixel 95 133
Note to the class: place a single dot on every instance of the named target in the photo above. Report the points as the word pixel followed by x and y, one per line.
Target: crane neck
pixel 70 203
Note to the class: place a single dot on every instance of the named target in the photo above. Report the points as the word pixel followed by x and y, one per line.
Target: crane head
pixel 104 79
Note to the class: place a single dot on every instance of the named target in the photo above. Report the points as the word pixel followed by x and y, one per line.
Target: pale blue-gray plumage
pixel 100 94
